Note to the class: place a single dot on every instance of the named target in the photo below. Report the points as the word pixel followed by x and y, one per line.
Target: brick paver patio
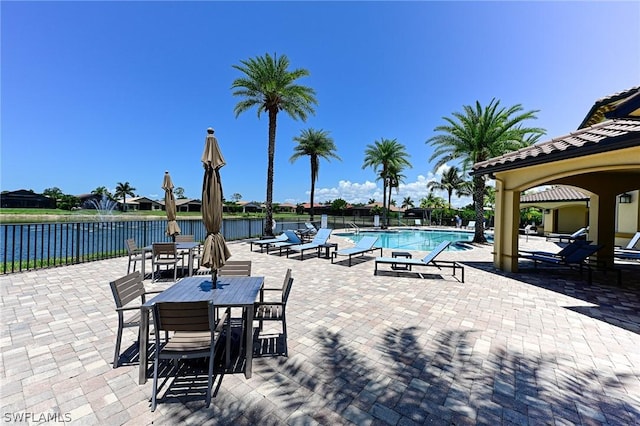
pixel 528 348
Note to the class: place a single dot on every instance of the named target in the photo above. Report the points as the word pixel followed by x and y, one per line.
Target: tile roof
pixel 603 137
pixel 619 105
pixel 556 193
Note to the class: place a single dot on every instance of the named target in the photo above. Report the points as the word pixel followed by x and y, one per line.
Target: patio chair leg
pixel 284 335
pixel 116 356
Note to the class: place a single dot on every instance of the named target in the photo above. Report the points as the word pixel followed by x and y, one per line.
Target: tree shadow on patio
pixel 608 302
pixel 412 375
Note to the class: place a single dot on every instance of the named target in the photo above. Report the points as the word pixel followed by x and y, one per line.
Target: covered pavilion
pixel 602 158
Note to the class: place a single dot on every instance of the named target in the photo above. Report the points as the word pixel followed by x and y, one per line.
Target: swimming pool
pixel 412 239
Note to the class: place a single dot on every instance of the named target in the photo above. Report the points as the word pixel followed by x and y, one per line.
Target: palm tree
pixel 122 190
pixel 480 133
pixel 394 178
pixel 315 144
pixel 450 181
pixel 407 203
pixel 383 155
pixel 432 202
pixel 269 86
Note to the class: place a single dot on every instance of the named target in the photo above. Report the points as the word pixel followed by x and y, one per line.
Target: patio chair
pixel 136 254
pixel 365 245
pixel 471 224
pixel 238 268
pixel 126 290
pixel 275 310
pixel 188 238
pixel 292 239
pixel 265 242
pixel 429 260
pixel 318 241
pixel 195 335
pixel 164 254
pixel 580 233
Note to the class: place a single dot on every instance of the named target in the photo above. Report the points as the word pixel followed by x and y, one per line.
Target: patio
pixel 502 348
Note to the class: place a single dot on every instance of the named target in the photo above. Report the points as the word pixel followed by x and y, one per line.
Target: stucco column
pixel 602 209
pixel 506 231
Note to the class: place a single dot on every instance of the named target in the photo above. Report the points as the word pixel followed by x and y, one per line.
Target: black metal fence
pixel 32 246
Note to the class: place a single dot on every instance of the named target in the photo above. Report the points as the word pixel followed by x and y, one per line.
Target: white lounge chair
pixel 580 233
pixel 471 224
pixel 631 245
pixel 366 244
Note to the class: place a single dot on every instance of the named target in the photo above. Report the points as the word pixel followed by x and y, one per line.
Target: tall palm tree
pixel 315 144
pixel 382 155
pixel 394 178
pixel 122 190
pixel 269 86
pixel 480 133
pixel 450 181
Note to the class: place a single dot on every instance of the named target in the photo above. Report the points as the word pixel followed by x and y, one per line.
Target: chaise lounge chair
pixel 428 260
pixel 318 241
pixel 631 246
pixel 292 239
pixel 471 224
pixel 366 244
pixel 577 258
pixel 565 251
pixel 629 252
pixel 580 233
pixel 265 242
pixel 308 231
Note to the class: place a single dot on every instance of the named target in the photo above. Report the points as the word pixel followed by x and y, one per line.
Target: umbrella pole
pixel 214 277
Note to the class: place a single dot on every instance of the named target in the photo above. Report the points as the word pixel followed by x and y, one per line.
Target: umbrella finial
pixel 210 130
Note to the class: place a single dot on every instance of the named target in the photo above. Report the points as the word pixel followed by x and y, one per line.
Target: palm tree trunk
pixel 313 188
pixel 268 222
pixel 478 204
pixel 384 199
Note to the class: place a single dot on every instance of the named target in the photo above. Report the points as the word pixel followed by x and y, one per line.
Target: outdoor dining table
pixel 230 291
pixel 190 246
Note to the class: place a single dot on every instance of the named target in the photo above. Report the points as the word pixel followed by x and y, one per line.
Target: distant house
pixel 187 205
pixel 141 203
pixel 287 208
pixel 250 206
pixel 26 199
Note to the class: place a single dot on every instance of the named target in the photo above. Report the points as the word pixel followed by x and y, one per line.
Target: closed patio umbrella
pixel 215 252
pixel 170 206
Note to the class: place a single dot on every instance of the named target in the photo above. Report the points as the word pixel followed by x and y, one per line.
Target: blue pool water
pixel 412 239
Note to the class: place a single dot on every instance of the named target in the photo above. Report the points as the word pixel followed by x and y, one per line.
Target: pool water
pixel 413 239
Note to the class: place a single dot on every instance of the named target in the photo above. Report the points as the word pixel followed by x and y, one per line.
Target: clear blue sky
pixel 96 93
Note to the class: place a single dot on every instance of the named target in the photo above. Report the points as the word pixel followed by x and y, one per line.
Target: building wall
pixel 628 219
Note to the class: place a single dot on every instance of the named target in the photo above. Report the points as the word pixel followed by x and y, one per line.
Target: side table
pixel 327 247
pixel 404 254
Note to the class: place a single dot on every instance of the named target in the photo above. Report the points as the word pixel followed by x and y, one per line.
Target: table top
pixel 179 246
pixel 229 291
